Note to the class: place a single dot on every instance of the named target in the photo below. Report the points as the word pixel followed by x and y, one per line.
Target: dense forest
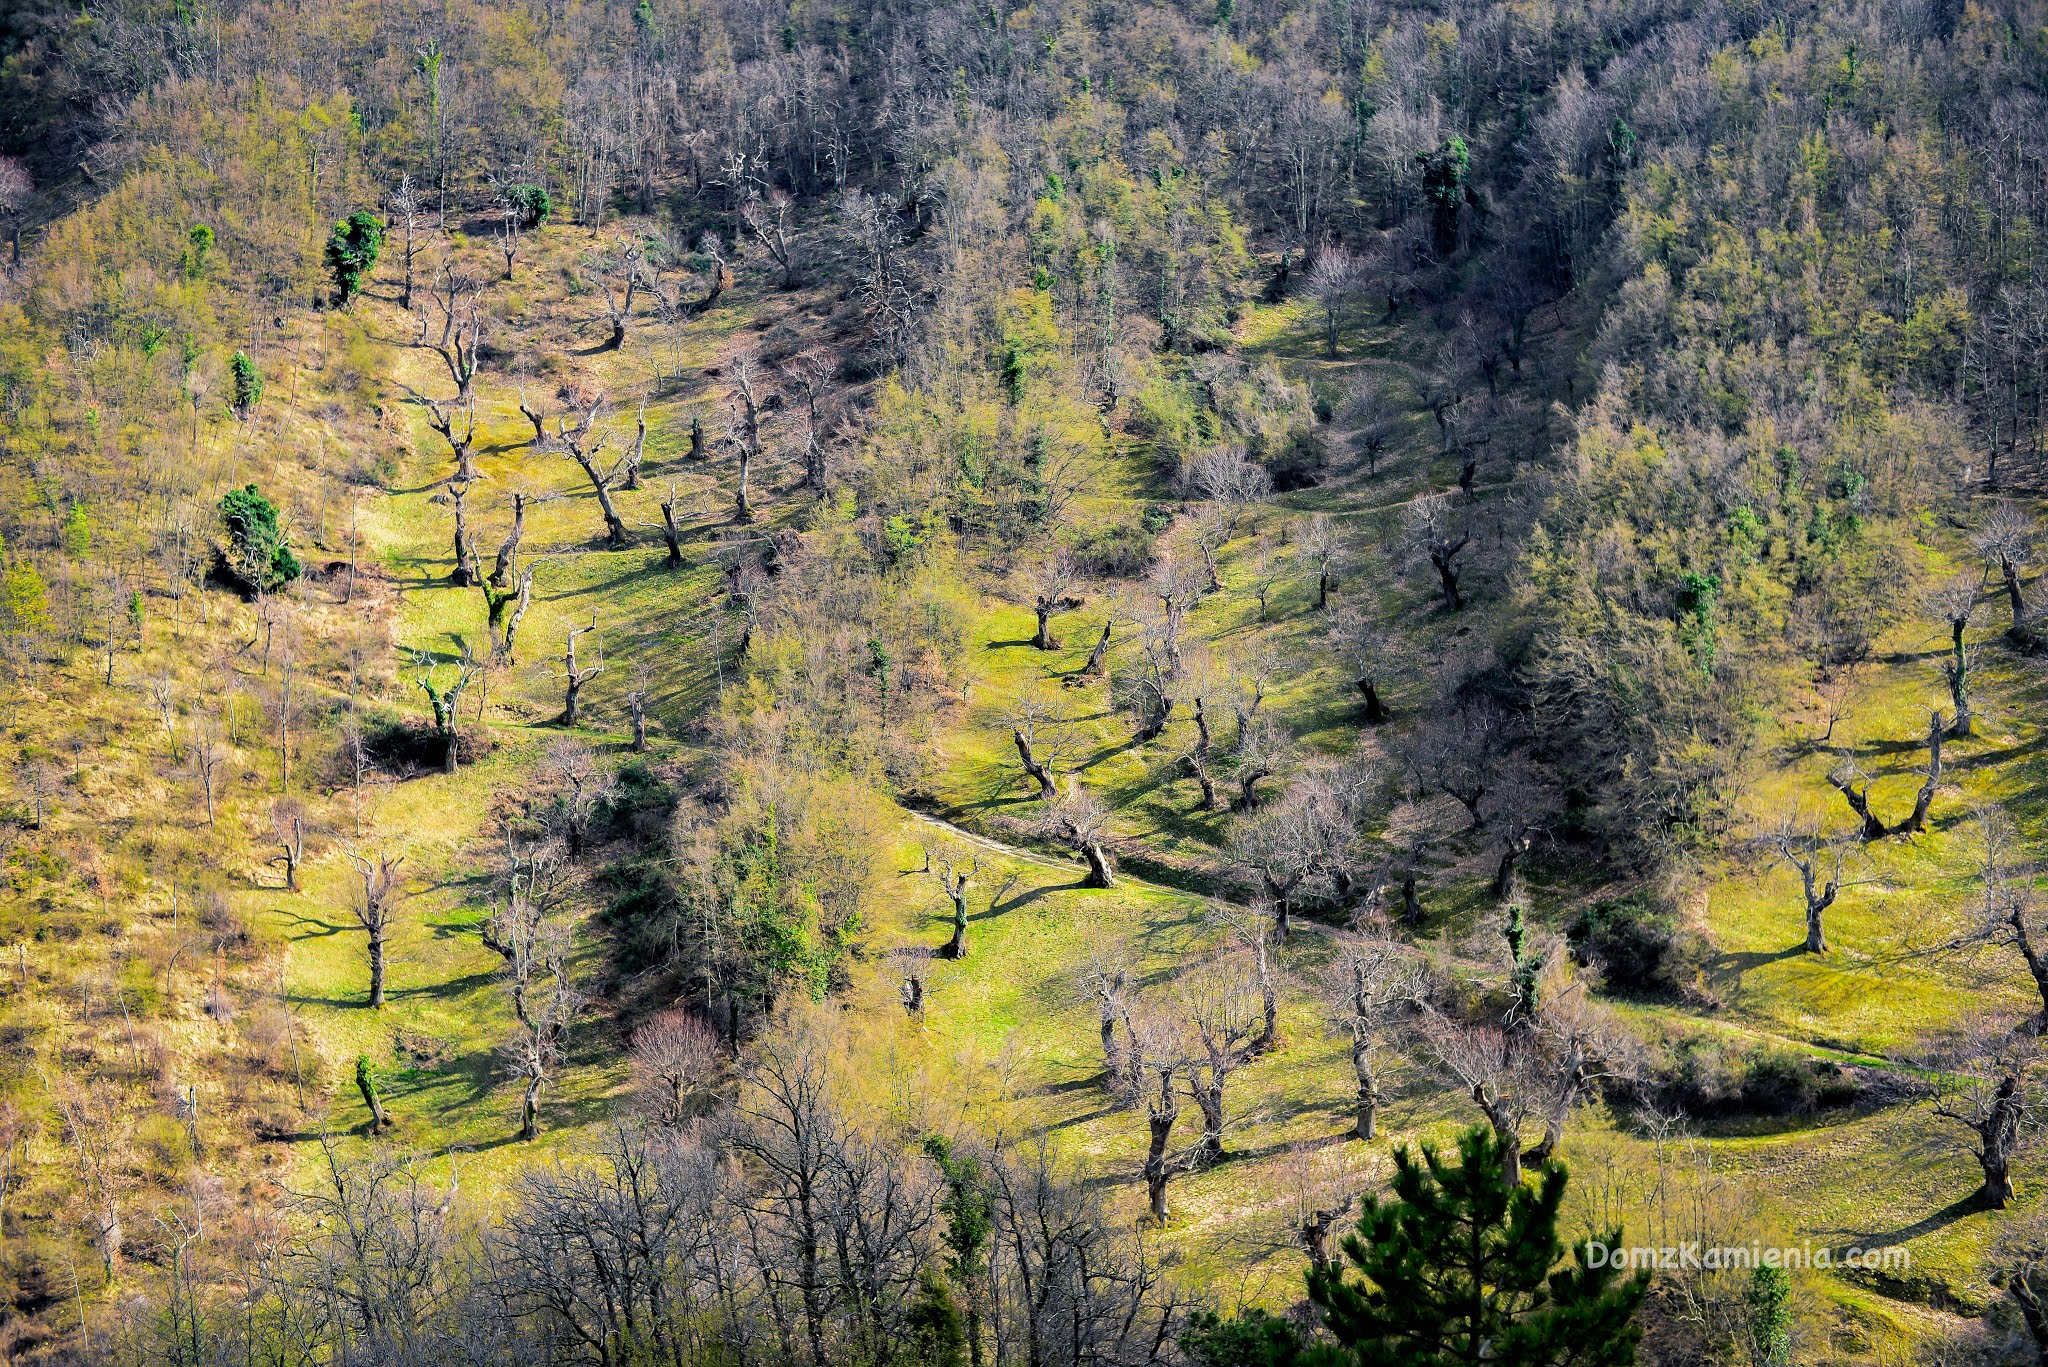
pixel 1206 683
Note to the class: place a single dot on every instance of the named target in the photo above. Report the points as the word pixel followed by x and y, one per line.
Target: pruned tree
pixel 1916 820
pixel 637 698
pixel 674 509
pixel 1953 603
pixel 288 824
pixel 2007 540
pixel 953 874
pixel 446 699
pixel 1148 682
pixel 629 468
pixel 1265 747
pixel 377 893
pixel 1161 1055
pixel 517 598
pixel 1110 983
pixel 1848 779
pixel 501 575
pixel 575 675
pixel 1429 526
pixel 1986 1078
pixel 1371 987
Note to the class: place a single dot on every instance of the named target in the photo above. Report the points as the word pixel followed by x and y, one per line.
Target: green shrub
pixel 248 383
pixel 1631 942
pixel 533 204
pixel 352 251
pixel 257 554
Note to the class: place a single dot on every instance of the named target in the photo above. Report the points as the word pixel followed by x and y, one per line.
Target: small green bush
pixel 248 383
pixel 533 204
pixel 352 251
pixel 257 554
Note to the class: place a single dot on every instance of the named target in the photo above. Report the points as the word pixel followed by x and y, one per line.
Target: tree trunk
pixel 639 705
pixel 1047 791
pixel 956 948
pixel 1959 687
pixel 1209 1100
pixel 1160 1125
pixel 1100 874
pixel 377 971
pixel 1816 938
pixel 529 1110
pixel 572 706
pixel 1449 576
pixel 1375 709
pixel 1098 656
pixel 696 451
pixel 449 746
pixel 1411 905
pixel 1044 640
pixel 1367 1126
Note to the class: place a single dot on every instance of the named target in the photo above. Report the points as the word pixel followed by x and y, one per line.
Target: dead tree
pixel 574 676
pixel 1937 728
pixel 375 908
pixel 518 598
pixel 630 468
pixel 619 276
pixel 406 219
pixel 673 510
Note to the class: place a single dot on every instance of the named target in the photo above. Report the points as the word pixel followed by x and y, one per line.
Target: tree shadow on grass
pixel 1735 964
pixel 1927 1224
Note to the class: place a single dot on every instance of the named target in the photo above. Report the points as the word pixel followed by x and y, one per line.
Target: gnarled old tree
pixel 1293 844
pixel 584 444
pixel 529 936
pixel 1080 820
pixel 446 699
pixel 945 865
pixel 1043 737
pixel 1435 531
pixel 1819 862
pixel 1853 784
pixel 458 296
pixel 1987 1079
pixel 1371 654
pixel 575 675
pixel 1047 581
pixel 2009 910
pixel 1319 550
pixel 374 905
pixel 1219 1000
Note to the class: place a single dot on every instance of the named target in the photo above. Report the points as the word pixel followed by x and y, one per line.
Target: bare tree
pixel 1081 820
pixel 1820 863
pixel 1844 778
pixel 1487 1061
pixel 743 432
pixel 446 700
pixel 1292 844
pixel 1374 418
pixel 675 1055
pixel 2007 540
pixel 375 908
pixel 1368 990
pixel 1953 603
pixel 1233 481
pixel 501 575
pixel 1333 279
pixel 768 220
pixel 618 275
pixel 535 945
pixel 1109 983
pixel 1318 549
pixel 1428 524
pixel 1371 653
pixel 1219 1000
pixel 408 218
pixel 1161 1055
pixel 459 298
pixel 2009 911
pixel 288 822
pixel 1042 735
pixel 952 877
pixel 1987 1079
pixel 574 676
pixel 1264 748
pixel 210 757
pixel 584 445
pixel 1047 582
pixel 808 375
